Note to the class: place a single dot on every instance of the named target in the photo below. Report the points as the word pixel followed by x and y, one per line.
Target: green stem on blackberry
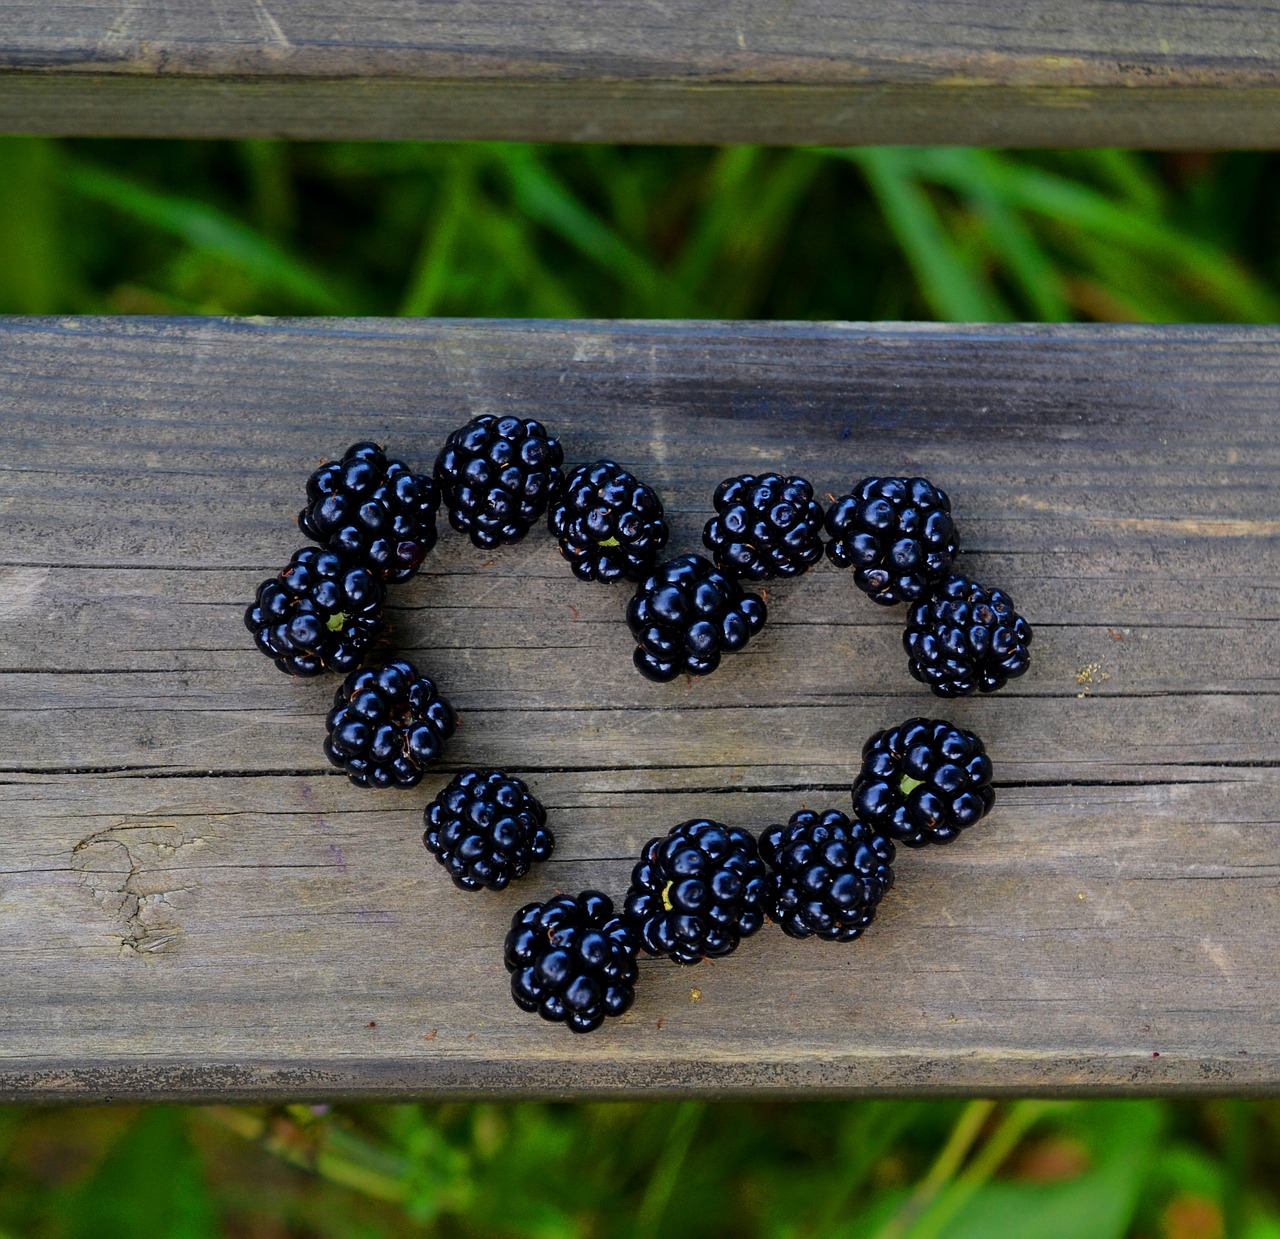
pixel 610 542
pixel 666 896
pixel 906 784
pixel 336 622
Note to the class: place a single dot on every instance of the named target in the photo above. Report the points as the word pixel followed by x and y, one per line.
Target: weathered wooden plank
pixel 96 103
pixel 182 933
pixel 195 905
pixel 1171 73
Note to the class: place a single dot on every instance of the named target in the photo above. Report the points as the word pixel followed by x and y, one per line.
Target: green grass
pixel 507 230
pixel 853 1170
pixel 600 231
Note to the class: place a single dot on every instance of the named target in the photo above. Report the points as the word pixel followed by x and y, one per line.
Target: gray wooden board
pixel 1169 73
pixel 194 905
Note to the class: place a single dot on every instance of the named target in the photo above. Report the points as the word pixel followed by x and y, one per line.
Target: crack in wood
pixel 26 777
pixel 125 868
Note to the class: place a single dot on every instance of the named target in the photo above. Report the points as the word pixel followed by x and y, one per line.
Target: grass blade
pixel 1019 1119
pixel 33 277
pixel 429 283
pixel 666 1174
pixel 945 1167
pixel 725 194
pixel 509 239
pixel 1201 266
pixel 543 197
pixel 269 171
pixel 1006 234
pixel 952 287
pixel 880 1125
pixel 756 243
pixel 209 230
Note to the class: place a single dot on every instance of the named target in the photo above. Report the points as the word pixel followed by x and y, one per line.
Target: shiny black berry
pixel 387 725
pixel 496 476
pixel 374 509
pixel 765 526
pixel 686 615
pixel 828 874
pixel 608 523
pixel 697 891
pixel 572 961
pixel 320 614
pixel 896 533
pixel 962 637
pixel 486 828
pixel 923 781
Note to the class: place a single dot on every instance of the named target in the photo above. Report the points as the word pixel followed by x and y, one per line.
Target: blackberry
pixel 697 891
pixel 321 613
pixel 387 725
pixel 608 523
pixel 962 637
pixel 374 509
pixel 765 526
pixel 496 476
pixel 896 533
pixel 486 828
pixel 572 961
pixel 829 875
pixel 686 615
pixel 923 781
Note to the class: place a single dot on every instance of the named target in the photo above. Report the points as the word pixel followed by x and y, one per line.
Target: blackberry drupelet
pixel 962 636
pixel 496 476
pixel 697 891
pixel 321 613
pixel 387 725
pixel 486 828
pixel 765 526
pixel 829 875
pixel 896 533
pixel 572 961
pixel 374 509
pixel 923 781
pixel 608 523
pixel 686 615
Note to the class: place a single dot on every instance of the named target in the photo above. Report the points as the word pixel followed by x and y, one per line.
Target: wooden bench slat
pixel 194 905
pixel 1168 73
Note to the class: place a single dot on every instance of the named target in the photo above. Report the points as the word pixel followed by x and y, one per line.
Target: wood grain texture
pixel 194 905
pixel 1171 73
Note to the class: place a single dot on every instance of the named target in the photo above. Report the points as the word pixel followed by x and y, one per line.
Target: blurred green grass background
pixel 894 1169
pixel 637 232
pixel 598 231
